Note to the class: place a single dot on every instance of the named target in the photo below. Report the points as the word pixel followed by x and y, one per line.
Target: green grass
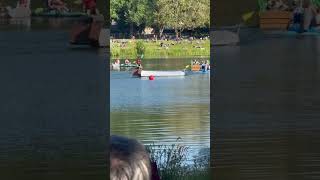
pixel 171 161
pixel 184 49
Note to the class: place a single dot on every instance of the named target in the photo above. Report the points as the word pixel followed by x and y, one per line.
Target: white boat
pixel 162 73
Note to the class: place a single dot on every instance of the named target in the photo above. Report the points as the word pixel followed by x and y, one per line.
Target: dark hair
pixel 129 159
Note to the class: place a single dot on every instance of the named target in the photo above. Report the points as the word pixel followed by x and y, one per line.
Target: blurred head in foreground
pixel 129 159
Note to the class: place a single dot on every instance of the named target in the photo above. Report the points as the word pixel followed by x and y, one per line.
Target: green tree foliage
pixel 115 7
pixel 160 14
pixel 132 12
pixel 140 48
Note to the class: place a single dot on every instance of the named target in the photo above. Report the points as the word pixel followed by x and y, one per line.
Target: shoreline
pixel 160 49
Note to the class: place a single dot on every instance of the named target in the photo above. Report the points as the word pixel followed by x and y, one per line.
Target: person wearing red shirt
pixel 90 7
pixel 24 3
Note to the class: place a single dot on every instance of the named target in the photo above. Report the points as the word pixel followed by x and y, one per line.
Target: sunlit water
pixel 162 110
pixel 53 122
pixel 266 108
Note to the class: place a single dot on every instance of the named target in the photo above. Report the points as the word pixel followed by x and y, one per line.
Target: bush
pixel 172 162
pixel 140 48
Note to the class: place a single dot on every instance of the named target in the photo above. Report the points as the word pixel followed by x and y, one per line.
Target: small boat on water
pixel 128 65
pixel 144 73
pixel 55 13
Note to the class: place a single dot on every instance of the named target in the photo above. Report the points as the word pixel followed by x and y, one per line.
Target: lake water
pixel 266 108
pixel 53 115
pixel 162 110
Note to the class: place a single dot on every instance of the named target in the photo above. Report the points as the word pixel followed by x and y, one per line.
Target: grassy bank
pixel 172 163
pixel 172 49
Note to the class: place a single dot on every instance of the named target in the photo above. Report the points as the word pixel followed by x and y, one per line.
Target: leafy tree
pixel 199 14
pixel 115 7
pixel 179 15
pixel 160 14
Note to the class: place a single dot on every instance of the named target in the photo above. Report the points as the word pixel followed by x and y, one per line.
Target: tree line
pixel 178 15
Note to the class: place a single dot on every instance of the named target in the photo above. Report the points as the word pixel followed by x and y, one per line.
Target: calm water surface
pixel 53 119
pixel 266 109
pixel 162 110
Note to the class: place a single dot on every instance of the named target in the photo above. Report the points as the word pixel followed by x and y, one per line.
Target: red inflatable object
pixel 151 77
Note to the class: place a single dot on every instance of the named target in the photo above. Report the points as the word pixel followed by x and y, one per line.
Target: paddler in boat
pixel 117 61
pixel 116 64
pixel 137 70
pixel 203 66
pixel 139 63
pixel 127 62
pixel 90 7
pixel 88 31
pixel 58 5
pixel 310 12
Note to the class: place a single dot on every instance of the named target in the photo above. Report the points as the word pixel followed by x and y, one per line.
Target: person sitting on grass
pixel 129 160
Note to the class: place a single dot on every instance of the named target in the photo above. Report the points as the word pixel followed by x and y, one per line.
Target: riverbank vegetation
pixel 154 49
pixel 172 162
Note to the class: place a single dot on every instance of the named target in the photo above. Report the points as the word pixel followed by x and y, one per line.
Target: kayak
pixel 196 67
pixel 128 65
pixel 162 73
pixel 197 72
pixel 58 14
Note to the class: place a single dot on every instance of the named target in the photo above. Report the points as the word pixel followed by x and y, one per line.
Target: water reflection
pixel 162 110
pixel 53 120
pixel 266 109
pixel 38 23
